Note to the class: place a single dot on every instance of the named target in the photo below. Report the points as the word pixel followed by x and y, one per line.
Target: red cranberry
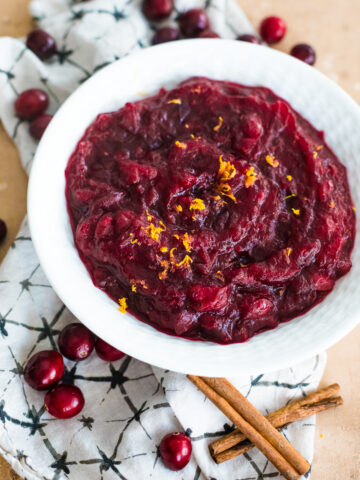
pixel 76 342
pixel 38 126
pixel 272 29
pixel 3 230
pixel 31 103
pixel 41 43
pixel 193 22
pixel 208 34
pixel 157 9
pixel 64 401
pixel 44 369
pixel 304 52
pixel 107 352
pixel 166 34
pixel 175 450
pixel 247 37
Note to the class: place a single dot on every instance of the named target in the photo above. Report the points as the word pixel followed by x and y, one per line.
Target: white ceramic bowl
pixel 319 100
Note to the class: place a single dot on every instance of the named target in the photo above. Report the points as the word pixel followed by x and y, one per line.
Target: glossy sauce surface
pixel 214 210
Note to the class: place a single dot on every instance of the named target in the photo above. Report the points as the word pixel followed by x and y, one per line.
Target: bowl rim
pixel 138 338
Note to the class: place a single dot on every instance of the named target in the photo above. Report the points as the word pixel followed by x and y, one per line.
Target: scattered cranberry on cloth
pixel 129 406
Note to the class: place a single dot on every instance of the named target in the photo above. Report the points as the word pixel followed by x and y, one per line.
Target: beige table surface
pixel 332 27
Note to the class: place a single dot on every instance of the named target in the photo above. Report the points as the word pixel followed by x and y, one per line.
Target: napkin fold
pixel 129 404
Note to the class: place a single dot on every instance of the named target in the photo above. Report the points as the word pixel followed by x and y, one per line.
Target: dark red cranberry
pixel 247 37
pixel 31 103
pixel 208 34
pixel 76 342
pixel 175 450
pixel 304 52
pixel 64 401
pixel 39 124
pixel 193 22
pixel 41 43
pixel 107 352
pixel 44 369
pixel 157 9
pixel 272 29
pixel 3 230
pixel 166 34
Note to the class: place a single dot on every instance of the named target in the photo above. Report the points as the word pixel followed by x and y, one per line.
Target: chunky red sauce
pixel 214 210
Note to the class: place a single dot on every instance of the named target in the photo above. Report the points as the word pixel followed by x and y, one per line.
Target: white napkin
pixel 129 404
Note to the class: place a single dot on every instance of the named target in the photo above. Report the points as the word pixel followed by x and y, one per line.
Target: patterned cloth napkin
pixel 129 404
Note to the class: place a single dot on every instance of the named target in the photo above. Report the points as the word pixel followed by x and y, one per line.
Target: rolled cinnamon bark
pixel 252 415
pixel 303 412
pixel 284 467
pixel 287 414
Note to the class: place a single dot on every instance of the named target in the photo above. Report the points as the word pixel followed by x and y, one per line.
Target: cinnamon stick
pixel 301 408
pixel 247 410
pixel 284 467
pixel 245 445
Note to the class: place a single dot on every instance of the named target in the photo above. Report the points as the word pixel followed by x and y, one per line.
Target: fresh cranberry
pixel 107 352
pixel 272 29
pixel 3 230
pixel 76 342
pixel 166 34
pixel 44 369
pixel 304 52
pixel 247 37
pixel 64 401
pixel 41 43
pixel 193 22
pixel 157 9
pixel 208 34
pixel 175 450
pixel 39 124
pixel 31 103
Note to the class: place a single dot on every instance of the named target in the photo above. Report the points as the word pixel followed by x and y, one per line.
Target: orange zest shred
pixel 133 288
pixel 332 204
pixel 187 242
pixel 280 292
pixel 133 240
pixel 354 208
pixel 220 275
pixel 165 264
pixel 287 253
pixel 123 305
pixel 196 90
pixel 175 100
pixel 185 262
pixel 289 177
pixel 171 256
pixel 218 126
pixel 251 177
pixel 181 145
pixel 226 171
pixel 315 154
pixel 163 249
pixel 176 236
pixel 296 211
pixel 319 147
pixel 186 125
pixel 179 208
pixel 154 232
pixel 270 159
pixel 197 204
pixel 148 216
pixel 290 196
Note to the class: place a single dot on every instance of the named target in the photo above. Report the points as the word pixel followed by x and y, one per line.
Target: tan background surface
pixel 332 27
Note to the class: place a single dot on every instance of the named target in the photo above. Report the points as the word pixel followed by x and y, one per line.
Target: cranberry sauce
pixel 212 211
